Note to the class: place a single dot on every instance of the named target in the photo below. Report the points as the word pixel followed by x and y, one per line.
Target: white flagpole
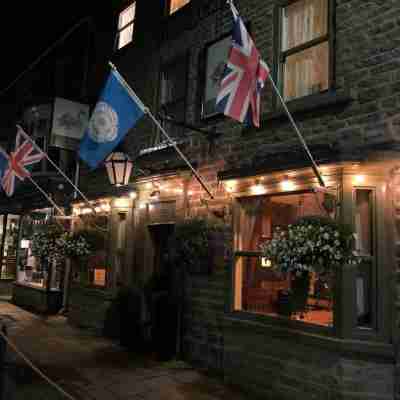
pixel 26 136
pixel 291 119
pixel 147 111
pixel 300 136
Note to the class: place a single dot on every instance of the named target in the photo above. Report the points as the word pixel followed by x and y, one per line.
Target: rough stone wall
pixel 88 308
pixel 281 366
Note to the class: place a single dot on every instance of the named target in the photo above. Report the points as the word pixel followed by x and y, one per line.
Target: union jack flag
pixel 16 165
pixel 244 77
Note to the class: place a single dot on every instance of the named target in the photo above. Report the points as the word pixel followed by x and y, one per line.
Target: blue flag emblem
pixel 115 113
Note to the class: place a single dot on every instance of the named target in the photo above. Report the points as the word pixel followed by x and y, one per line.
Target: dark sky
pixel 27 31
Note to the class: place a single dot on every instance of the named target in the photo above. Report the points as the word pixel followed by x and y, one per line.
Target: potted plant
pixel 195 243
pixel 45 245
pixel 78 246
pixel 312 244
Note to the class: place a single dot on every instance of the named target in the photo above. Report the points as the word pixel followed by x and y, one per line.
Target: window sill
pixel 305 334
pixel 305 104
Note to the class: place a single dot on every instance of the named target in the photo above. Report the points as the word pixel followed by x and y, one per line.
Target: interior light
pixel 25 244
pixel 133 194
pixel 121 202
pixel 288 185
pixel 105 207
pixel 265 262
pixel 358 179
pixel 86 211
pixel 257 188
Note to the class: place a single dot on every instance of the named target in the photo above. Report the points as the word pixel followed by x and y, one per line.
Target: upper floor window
pixel 175 5
pixel 173 95
pixel 304 51
pixel 126 23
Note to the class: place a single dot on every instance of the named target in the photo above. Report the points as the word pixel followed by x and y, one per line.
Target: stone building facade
pixel 345 349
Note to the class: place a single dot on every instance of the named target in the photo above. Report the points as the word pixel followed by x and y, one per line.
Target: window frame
pixel 380 330
pixel 168 8
pixel 184 58
pixel 274 319
pixel 280 56
pixel 120 30
pixel 344 308
pixel 202 116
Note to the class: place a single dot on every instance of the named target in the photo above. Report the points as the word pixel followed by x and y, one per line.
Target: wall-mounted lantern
pixel 119 168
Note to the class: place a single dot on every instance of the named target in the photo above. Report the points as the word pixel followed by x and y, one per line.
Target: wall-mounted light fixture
pixel 119 168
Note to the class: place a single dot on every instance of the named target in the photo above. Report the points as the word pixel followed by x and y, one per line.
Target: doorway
pixel 163 294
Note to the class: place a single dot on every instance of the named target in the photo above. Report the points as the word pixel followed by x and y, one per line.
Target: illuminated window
pixel 175 5
pixel 304 48
pixel 126 23
pixel 364 245
pixel 261 289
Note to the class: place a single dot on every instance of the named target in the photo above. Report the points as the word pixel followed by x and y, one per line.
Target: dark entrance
pixel 163 294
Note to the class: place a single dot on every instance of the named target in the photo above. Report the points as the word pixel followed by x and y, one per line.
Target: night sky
pixel 28 31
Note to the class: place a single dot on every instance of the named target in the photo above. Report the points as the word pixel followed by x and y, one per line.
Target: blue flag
pixel 115 113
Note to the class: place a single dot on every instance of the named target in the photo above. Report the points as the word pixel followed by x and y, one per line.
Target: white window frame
pixel 130 25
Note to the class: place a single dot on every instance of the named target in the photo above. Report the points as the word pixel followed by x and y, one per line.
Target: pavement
pixel 91 367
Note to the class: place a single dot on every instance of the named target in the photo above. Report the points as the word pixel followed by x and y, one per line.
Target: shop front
pixel 9 224
pixel 330 334
pixel 38 284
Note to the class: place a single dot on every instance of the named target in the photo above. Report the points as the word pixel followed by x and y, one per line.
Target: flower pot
pixel 300 286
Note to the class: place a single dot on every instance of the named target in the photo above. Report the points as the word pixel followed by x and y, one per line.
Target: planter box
pixel 37 299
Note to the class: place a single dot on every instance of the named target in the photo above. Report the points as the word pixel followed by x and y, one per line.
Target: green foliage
pixel 45 242
pixel 190 244
pixel 313 243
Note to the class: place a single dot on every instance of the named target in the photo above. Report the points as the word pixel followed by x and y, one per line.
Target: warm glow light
pixel 358 179
pixel 121 202
pixel 25 244
pixel 86 211
pixel 105 207
pixel 258 189
pixel 142 206
pixel 178 190
pixel 97 209
pixel 133 195
pixel 288 185
pixel 190 192
pixel 75 211
pixel 265 262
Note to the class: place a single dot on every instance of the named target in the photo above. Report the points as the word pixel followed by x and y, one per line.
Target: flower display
pixel 312 244
pixel 45 243
pixel 74 245
pixel 54 244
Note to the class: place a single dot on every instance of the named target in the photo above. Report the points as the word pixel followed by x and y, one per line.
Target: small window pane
pixel 259 216
pixel 363 222
pixel 260 289
pixel 127 16
pixel 306 72
pixel 363 227
pixel 125 36
pixel 175 5
pixel 173 82
pixel 304 21
pixel 9 265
